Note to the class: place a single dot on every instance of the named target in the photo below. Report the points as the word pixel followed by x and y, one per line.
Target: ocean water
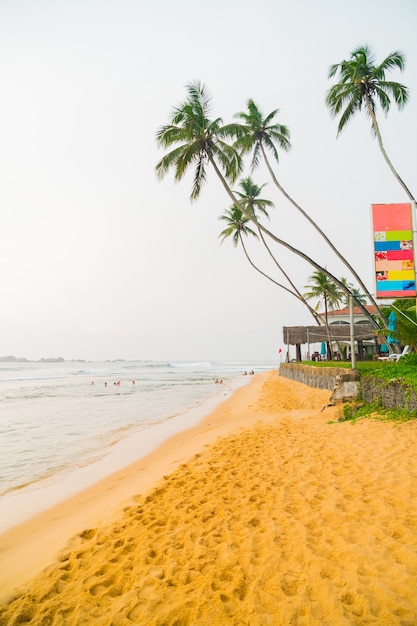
pixel 65 425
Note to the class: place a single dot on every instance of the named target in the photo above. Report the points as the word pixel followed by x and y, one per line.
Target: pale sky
pixel 99 259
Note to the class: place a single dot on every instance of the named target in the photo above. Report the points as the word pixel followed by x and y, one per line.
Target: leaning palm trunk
pixel 322 234
pixel 329 341
pixel 384 154
pixel 286 244
pixel 330 336
pixel 293 293
pixel 281 269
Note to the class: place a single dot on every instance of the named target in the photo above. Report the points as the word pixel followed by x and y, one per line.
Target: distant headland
pixel 59 359
pixel 15 359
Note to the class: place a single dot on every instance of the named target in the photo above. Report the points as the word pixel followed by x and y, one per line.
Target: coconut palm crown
pixel 249 197
pixel 323 288
pixel 258 133
pixel 237 226
pixel 198 140
pixel 362 84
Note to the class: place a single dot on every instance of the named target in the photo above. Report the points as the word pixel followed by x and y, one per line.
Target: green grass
pixel 346 364
pixel 404 369
pixel 359 410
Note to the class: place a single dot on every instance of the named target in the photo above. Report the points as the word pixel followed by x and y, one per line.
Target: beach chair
pixel 397 357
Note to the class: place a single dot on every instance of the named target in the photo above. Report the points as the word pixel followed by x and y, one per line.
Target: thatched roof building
pixel 294 335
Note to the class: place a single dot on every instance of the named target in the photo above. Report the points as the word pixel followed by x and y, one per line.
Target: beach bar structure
pixel 306 335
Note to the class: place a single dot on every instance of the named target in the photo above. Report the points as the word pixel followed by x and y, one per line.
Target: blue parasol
pixel 323 349
pixel 392 325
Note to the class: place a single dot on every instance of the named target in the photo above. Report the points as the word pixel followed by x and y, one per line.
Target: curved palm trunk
pixel 329 341
pixel 384 154
pixel 286 244
pixel 299 297
pixel 330 335
pixel 321 233
pixel 281 269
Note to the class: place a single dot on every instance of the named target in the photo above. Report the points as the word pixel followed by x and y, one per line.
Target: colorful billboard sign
pixel 393 251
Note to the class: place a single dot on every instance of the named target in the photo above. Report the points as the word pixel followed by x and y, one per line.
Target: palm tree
pixel 251 201
pixel 362 86
pixel 200 141
pixel 249 197
pixel 237 228
pixel 322 288
pixel 237 225
pixel 357 295
pixel 253 204
pixel 258 135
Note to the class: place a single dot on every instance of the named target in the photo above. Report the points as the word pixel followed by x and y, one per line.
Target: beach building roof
pixel 339 326
pixel 357 311
pixel 294 335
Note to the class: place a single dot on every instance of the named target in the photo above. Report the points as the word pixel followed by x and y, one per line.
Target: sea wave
pixel 191 364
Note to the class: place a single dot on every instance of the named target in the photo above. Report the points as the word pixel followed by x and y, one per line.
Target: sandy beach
pixel 269 512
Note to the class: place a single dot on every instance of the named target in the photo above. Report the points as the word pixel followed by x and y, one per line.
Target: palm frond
pixel 394 60
pixel 200 176
pixel 229 159
pixel 270 146
pixel 354 105
pixel 256 156
pixel 187 156
pixel 168 161
pixel 398 92
pixel 168 135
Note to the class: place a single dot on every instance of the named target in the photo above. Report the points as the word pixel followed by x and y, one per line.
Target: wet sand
pixel 264 514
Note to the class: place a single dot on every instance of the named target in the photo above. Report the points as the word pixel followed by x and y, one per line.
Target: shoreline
pixel 18 506
pixel 30 545
pixel 269 511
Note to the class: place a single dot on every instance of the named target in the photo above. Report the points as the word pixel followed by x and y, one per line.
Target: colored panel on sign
pixel 391 217
pixel 401 275
pixel 396 294
pixel 387 245
pixel 390 285
pixel 384 266
pixel 396 255
pixel 399 235
pixel 396 286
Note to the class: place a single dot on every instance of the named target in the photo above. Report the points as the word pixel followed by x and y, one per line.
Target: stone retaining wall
pixel 342 382
pixel 390 394
pixel 346 384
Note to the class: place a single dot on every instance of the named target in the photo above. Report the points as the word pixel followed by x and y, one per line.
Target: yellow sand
pixel 283 519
